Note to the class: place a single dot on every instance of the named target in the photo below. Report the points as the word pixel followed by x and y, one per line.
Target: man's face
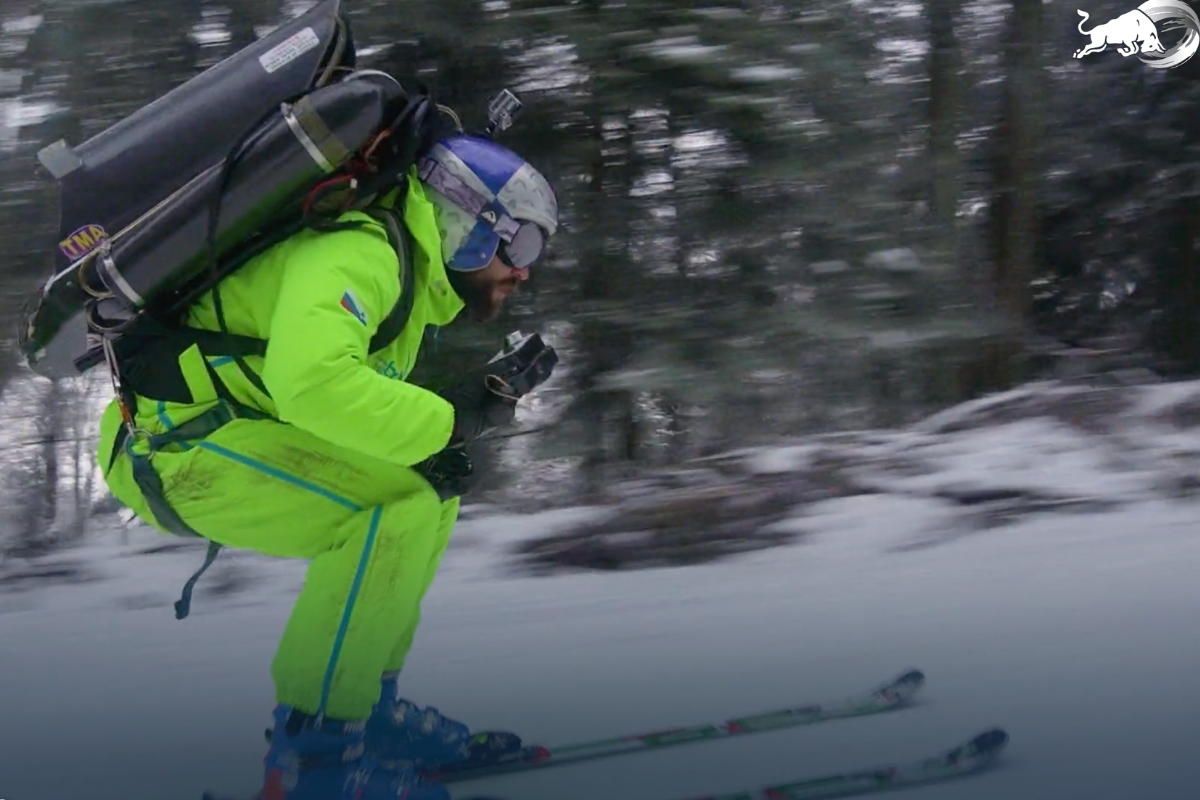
pixel 485 290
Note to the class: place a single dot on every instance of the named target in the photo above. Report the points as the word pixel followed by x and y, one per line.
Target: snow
pixel 765 73
pixel 20 112
pixel 22 26
pixel 1074 631
pixel 782 459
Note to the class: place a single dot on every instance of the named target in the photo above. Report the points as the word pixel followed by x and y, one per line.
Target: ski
pixel 894 694
pixel 891 695
pixel 967 759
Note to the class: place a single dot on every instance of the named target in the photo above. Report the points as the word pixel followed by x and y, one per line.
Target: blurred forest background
pixel 780 217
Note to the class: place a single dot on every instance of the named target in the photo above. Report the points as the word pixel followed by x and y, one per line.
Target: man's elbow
pixel 302 400
pixel 300 408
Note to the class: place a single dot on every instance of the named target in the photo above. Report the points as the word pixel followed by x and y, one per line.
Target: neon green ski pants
pixel 375 534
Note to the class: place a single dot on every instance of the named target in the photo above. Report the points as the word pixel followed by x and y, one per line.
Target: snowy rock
pixel 1082 407
pixel 24 574
pixel 1045 449
pixel 684 526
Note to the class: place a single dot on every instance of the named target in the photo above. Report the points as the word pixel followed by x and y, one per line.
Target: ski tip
pixel 903 688
pixel 990 742
pixel 538 754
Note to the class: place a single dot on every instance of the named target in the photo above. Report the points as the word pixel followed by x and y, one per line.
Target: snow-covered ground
pixel 1036 554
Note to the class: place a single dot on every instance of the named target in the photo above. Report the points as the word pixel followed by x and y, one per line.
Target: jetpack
pixel 160 206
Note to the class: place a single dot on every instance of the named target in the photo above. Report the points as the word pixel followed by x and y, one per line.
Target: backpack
pixel 157 209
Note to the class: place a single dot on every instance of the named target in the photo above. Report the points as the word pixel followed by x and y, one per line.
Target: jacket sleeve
pixel 336 289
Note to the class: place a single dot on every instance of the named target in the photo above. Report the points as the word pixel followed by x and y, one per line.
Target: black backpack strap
pixel 393 324
pixel 149 354
pixel 148 481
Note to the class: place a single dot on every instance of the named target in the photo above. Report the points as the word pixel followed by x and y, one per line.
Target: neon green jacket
pixel 317 299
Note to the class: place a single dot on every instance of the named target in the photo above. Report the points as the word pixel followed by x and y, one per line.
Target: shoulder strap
pixel 148 355
pixel 149 352
pixel 393 324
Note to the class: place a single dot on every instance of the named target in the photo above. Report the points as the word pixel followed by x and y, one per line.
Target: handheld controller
pixel 522 365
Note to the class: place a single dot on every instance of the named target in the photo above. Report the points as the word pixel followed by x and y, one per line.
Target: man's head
pixel 495 213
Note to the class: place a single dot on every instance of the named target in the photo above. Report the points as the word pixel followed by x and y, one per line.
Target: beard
pixel 477 294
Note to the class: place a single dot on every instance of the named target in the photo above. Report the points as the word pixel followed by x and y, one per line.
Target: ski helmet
pixel 489 201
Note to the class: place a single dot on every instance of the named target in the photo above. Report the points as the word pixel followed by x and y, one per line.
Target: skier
pixel 315 451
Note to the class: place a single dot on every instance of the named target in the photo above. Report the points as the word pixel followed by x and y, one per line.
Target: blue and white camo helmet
pixel 484 194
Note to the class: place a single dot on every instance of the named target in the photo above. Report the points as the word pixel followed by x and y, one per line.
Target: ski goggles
pixel 524 248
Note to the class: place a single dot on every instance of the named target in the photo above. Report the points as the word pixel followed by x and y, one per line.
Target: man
pixel 319 457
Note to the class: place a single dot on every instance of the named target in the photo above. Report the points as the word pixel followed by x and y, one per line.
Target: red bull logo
pixel 1138 32
pixel 82 241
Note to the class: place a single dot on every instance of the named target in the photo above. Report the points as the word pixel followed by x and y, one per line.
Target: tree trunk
pixel 1016 179
pixel 945 107
pixel 1013 223
pixel 1181 290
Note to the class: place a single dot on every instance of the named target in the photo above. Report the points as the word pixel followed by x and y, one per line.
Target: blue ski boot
pixel 328 763
pixel 400 733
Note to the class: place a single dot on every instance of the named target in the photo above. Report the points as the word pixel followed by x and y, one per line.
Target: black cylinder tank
pixel 290 152
pixel 151 262
pixel 113 178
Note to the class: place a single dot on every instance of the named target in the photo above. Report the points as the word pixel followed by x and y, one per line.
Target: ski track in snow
pixel 1075 631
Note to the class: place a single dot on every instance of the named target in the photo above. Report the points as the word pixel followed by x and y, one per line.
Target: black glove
pixel 482 401
pixel 449 471
pixel 478 408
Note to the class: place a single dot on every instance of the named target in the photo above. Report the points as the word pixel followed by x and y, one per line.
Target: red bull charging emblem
pixel 1140 32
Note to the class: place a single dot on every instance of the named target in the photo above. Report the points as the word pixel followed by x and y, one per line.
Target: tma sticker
pixel 82 241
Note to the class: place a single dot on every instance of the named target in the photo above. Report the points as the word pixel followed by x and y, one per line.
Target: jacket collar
pixel 443 302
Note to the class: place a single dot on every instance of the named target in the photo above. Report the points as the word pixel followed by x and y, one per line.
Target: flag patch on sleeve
pixel 351 303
